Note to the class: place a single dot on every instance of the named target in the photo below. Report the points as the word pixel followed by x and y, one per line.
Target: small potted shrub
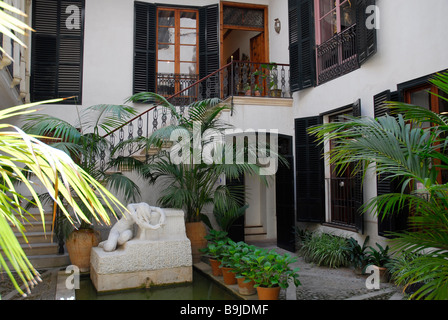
pixel 271 271
pixel 357 254
pixel 215 248
pixel 380 258
pixel 240 261
pixel 228 260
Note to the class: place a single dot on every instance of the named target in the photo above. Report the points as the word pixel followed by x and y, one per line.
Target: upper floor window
pixel 327 39
pixel 57 50
pixel 333 17
pixel 173 46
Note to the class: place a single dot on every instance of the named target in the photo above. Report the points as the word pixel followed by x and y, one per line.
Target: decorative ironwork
pixel 337 56
pixel 235 16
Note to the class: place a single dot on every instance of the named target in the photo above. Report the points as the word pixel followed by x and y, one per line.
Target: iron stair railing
pixel 236 78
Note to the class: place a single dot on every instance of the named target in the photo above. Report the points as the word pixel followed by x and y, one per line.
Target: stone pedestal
pixel 163 257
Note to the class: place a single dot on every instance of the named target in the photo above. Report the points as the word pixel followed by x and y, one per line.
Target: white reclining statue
pixel 141 214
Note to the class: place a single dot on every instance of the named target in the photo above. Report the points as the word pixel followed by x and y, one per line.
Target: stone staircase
pixel 254 233
pixel 40 249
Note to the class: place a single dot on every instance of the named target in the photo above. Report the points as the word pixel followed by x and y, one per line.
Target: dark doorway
pixel 236 231
pixel 284 188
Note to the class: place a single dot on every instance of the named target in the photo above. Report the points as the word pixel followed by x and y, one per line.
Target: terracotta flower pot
pixel 216 270
pixel 196 232
pixel 79 245
pixel 268 293
pixel 246 288
pixel 228 275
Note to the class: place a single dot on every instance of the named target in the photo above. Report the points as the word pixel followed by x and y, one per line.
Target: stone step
pixel 36 249
pixel 35 226
pixel 50 261
pixel 34 237
pixel 248 230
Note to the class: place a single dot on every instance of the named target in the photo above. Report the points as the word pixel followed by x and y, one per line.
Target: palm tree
pixel 400 147
pixel 86 144
pixel 192 184
pixel 35 165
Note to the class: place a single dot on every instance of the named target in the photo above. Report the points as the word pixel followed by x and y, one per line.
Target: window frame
pixel 177 43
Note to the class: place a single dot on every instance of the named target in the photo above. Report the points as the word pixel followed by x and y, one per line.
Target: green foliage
pixel 326 250
pixel 379 257
pixel 216 246
pixel 270 269
pixel 357 253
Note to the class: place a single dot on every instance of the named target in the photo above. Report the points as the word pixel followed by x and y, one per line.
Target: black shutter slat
pixel 366 38
pixel 358 197
pixel 209 48
pixel 57 51
pixel 301 44
pixel 208 40
pixel 310 179
pixel 396 221
pixel 145 47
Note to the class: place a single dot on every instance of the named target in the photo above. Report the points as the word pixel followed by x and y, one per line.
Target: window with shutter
pixel 328 39
pixel 345 192
pixel 173 46
pixel 57 50
pixel 310 183
pixel 396 221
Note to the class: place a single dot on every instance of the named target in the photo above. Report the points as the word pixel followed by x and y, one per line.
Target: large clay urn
pixel 79 245
pixel 196 232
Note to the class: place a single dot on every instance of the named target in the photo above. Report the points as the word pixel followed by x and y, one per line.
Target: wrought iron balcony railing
pixel 337 56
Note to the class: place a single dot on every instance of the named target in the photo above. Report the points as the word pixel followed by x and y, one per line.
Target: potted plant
pixel 271 76
pixel 241 265
pixel 357 254
pixel 216 241
pixel 83 142
pixel 271 271
pixel 228 261
pixel 380 258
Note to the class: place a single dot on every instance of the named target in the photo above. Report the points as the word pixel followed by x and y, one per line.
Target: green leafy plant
pixel 216 245
pixel 326 250
pixel 270 269
pixel 379 257
pixel 357 253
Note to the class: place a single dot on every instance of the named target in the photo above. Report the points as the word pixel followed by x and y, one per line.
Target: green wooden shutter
pixel 396 221
pixel 366 37
pixel 310 178
pixel 57 50
pixel 301 44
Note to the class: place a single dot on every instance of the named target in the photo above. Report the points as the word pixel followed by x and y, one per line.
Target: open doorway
pixel 244 32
